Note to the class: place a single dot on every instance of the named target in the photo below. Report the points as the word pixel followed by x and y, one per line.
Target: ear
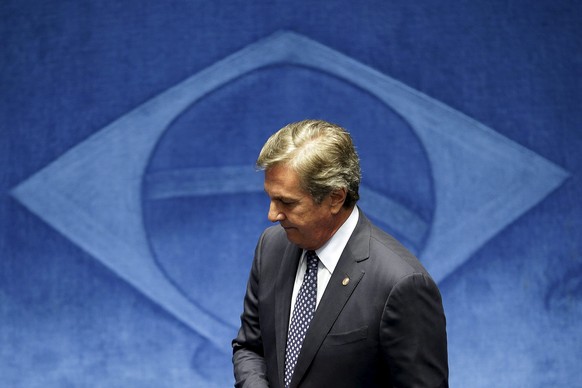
pixel 337 199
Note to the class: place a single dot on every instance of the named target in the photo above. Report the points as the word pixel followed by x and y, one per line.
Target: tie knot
pixel 311 259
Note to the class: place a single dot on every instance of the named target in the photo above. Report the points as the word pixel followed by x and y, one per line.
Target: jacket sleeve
pixel 413 334
pixel 249 364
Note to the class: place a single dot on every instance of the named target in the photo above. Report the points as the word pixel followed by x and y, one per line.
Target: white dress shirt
pixel 329 255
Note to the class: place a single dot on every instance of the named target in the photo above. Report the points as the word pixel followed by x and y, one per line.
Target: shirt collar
pixel 329 254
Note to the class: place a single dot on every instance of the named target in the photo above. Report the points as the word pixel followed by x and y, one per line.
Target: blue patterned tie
pixel 302 314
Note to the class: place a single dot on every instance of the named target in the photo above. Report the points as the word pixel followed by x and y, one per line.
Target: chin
pixel 292 236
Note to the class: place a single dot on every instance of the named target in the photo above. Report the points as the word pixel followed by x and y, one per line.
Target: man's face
pixel 307 224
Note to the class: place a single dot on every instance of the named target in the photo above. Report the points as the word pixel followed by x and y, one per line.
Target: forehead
pixel 282 180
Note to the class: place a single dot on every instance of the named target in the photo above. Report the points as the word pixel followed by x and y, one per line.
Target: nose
pixel 274 213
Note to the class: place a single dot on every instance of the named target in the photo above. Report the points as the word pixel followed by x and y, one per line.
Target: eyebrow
pixel 281 197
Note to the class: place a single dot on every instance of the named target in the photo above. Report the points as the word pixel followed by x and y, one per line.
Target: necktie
pixel 302 314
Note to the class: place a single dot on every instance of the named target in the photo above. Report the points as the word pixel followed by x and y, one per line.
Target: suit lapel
pixel 335 296
pixel 284 290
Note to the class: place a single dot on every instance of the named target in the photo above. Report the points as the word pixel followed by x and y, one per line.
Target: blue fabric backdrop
pixel 129 206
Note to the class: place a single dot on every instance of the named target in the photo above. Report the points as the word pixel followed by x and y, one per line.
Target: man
pixel 332 301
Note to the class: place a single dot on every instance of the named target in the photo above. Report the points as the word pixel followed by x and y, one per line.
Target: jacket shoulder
pixel 387 251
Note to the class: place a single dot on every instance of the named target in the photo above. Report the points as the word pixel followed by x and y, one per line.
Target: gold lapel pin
pixel 345 281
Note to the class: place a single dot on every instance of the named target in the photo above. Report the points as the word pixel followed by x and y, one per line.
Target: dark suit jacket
pixel 385 328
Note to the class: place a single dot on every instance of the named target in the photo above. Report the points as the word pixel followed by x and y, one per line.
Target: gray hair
pixel 322 154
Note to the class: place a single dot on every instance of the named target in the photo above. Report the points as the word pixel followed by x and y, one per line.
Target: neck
pixel 339 219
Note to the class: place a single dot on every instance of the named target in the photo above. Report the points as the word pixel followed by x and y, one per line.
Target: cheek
pixel 305 224
pixel 308 219
pixel 297 218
